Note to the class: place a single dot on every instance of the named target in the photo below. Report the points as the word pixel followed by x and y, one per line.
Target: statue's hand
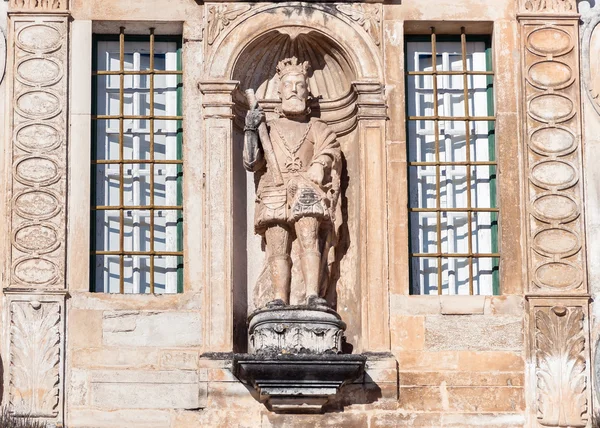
pixel 316 173
pixel 254 118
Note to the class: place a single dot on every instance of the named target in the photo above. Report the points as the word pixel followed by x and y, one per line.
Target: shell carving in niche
pixel 330 77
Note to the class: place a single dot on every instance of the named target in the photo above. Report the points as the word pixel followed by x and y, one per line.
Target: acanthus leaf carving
pixel 556 6
pixel 366 15
pixel 35 358
pixel 39 4
pixel 561 367
pixel 220 16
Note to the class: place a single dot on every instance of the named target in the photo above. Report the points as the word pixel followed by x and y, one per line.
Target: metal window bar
pixel 467 117
pixel 173 207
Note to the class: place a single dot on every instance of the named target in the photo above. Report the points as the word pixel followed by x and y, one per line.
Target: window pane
pixel 451 168
pixel 143 228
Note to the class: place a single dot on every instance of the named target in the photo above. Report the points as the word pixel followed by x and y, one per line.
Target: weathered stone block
pixel 490 361
pixel 462 378
pixel 180 360
pixel 93 418
pixel 462 305
pixel 122 389
pixel 486 399
pixel 494 420
pixel 346 420
pixel 473 333
pixel 146 328
pixel 410 419
pixel 408 333
pixel 113 357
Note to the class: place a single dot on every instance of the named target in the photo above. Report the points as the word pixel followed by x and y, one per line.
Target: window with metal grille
pixel 452 165
pixel 137 214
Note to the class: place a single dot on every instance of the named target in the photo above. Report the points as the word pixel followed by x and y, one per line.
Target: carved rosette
pixel 39 152
pixel 561 364
pixel 35 357
pixel 556 262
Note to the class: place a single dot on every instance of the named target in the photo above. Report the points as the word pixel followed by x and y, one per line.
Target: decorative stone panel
pixel 39 5
pixel 553 157
pixel 550 6
pixel 35 355
pixel 559 333
pixel 39 152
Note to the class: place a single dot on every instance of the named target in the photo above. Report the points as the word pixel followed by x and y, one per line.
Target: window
pixel 137 214
pixel 452 166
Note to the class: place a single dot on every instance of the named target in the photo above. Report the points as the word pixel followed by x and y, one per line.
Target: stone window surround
pixel 511 281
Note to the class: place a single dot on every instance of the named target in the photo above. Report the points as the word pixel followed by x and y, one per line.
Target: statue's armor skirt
pixel 298 197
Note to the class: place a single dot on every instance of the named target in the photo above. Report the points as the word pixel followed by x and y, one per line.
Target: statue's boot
pixel 310 262
pixel 281 274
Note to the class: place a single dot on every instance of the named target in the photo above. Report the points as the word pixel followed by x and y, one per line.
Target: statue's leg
pixel 278 243
pixel 307 230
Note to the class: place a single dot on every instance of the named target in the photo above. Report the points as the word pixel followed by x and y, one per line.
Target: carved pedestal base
pixel 295 330
pixel 295 360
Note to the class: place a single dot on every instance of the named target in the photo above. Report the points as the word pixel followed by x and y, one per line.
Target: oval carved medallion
pixel 549 41
pixel 37 170
pixel 39 71
pixel 552 141
pixel 35 271
pixel 38 105
pixel 555 207
pixel 38 38
pixel 39 137
pixel 36 205
pixel 558 275
pixel 551 108
pixel 39 238
pixel 550 74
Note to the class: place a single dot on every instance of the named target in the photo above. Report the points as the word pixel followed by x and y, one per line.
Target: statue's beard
pixel 293 106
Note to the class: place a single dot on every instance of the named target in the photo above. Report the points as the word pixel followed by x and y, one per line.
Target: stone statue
pixel 297 160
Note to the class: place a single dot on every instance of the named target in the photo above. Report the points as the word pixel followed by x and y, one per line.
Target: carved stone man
pixel 297 159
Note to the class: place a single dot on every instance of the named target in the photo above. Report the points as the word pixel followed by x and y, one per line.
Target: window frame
pixel 463 39
pixel 149 38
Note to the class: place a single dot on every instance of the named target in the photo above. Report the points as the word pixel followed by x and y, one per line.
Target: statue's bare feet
pixel 276 303
pixel 314 300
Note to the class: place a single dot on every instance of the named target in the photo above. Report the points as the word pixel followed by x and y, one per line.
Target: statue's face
pixel 294 93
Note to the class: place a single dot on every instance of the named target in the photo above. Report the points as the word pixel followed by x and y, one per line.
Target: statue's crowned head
pixel 293 85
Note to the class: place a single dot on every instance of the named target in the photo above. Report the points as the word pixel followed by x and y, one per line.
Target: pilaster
pixel 35 286
pixel 557 288
pixel 217 105
pixel 372 118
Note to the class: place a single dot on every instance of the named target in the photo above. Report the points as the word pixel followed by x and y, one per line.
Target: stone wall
pixel 165 361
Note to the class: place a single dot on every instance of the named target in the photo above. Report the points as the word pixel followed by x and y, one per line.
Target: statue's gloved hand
pixel 316 173
pixel 254 118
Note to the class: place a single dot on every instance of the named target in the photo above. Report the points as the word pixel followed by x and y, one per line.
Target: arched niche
pixel 348 87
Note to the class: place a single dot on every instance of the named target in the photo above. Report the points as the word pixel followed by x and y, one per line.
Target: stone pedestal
pixel 295 330
pixel 295 361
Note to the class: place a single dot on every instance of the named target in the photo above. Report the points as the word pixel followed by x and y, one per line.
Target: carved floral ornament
pixel 561 372
pixel 35 358
pixel 551 6
pixel 220 16
pixel 39 5
pixel 368 16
